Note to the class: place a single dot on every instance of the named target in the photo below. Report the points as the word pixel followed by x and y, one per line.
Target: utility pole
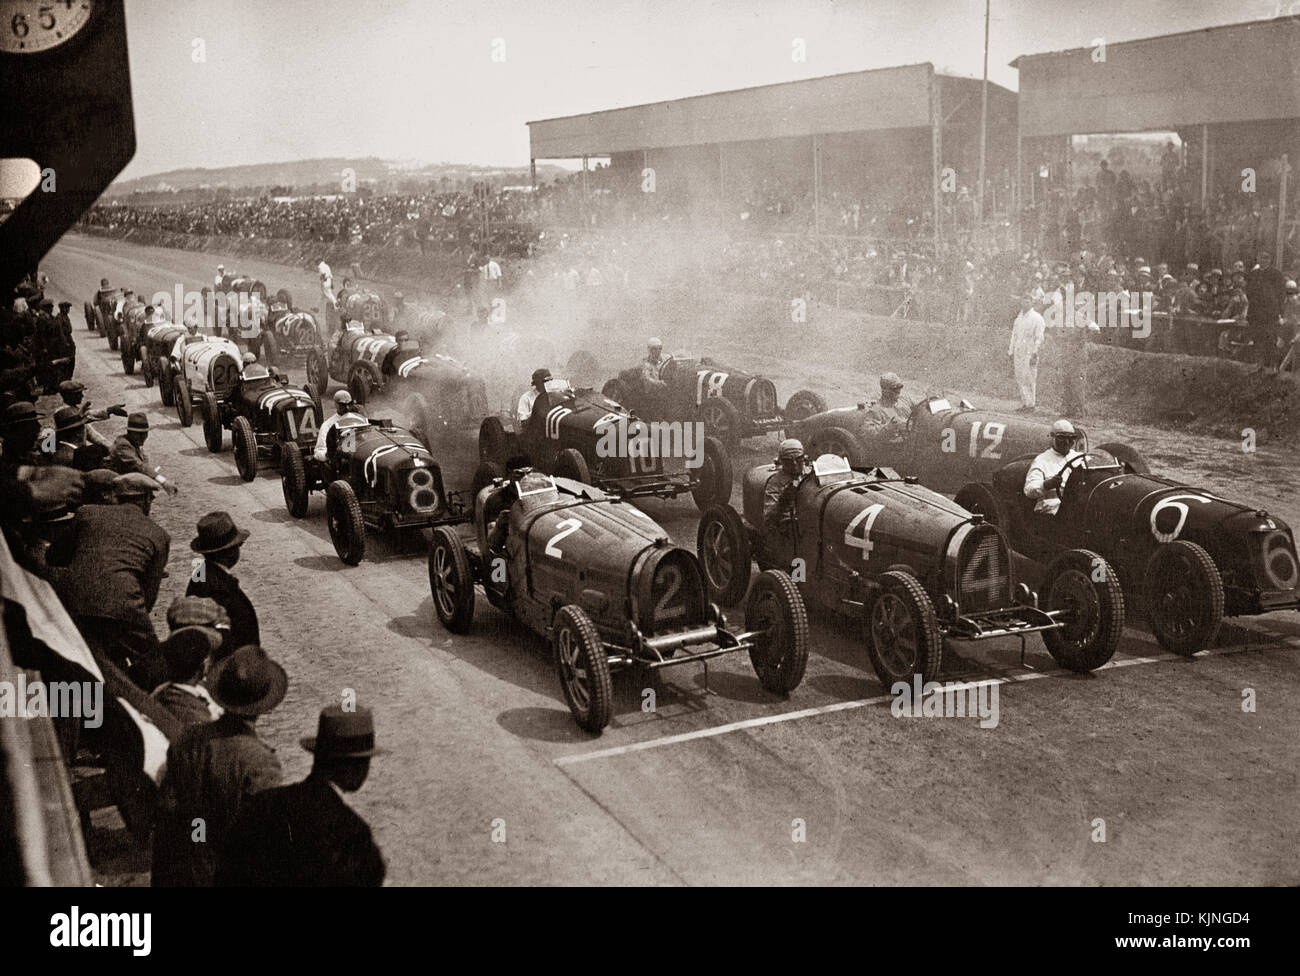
pixel 984 118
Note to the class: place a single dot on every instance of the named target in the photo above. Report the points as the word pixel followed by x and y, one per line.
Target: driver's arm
pixel 319 452
pixel 1035 483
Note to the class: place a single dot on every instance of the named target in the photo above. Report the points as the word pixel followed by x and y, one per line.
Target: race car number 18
pixel 709 384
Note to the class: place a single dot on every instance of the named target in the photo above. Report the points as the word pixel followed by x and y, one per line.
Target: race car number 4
pixel 869 514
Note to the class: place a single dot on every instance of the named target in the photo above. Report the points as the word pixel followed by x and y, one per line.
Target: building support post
pixel 1278 256
pixel 817 185
pixel 936 153
pixel 532 172
pixel 1205 165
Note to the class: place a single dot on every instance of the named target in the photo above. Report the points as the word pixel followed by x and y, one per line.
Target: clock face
pixel 32 26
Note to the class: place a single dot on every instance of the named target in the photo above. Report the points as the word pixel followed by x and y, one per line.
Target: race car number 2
pixel 566 528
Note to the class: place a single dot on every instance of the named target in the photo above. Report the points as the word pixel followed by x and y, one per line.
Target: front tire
pixel 1184 597
pixel 903 637
pixel 716 476
pixel 212 432
pixel 1091 634
pixel 780 655
pixel 128 358
pixel 842 442
pixel 493 442
pixel 318 373
pixel 583 669
pixel 293 479
pixel 165 387
pixel 184 405
pixel 244 442
pixel 721 419
pixel 803 405
pixel 361 386
pixel 979 499
pixel 722 545
pixel 347 528
pixel 1130 457
pixel 570 463
pixel 146 369
pixel 451 582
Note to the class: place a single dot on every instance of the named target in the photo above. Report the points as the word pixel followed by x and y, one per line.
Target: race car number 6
pixel 567 527
pixel 1173 502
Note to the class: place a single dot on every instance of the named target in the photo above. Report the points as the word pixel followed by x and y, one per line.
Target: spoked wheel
pixel 803 405
pixel 146 369
pixel 347 527
pixel 244 441
pixel 1084 585
pixel 841 442
pixel 293 479
pixel 1184 597
pixel 451 582
pixel 721 419
pixel 184 405
pixel 979 499
pixel 583 668
pixel 902 633
pixel 723 547
pixel 318 373
pixel 780 652
pixel 716 476
pixel 213 435
pixel 569 463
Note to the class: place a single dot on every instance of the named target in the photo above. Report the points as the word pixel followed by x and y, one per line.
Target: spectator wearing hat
pixel 219 542
pixel 1266 292
pixel 99 488
pixel 304 834
pixel 186 653
pixel 214 768
pixel 72 393
pixel 20 428
pixel 128 456
pixel 109 580
pixel 70 446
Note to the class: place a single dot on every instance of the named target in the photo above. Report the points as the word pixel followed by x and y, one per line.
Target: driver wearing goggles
pixel 1047 475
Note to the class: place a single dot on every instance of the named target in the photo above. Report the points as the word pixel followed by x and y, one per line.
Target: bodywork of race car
pixel 133 326
pixel 604 583
pixel 945 443
pixel 377 477
pixel 263 414
pixel 366 307
pixel 99 314
pixel 1190 556
pixel 202 364
pixel 732 403
pixel 567 434
pixel 917 567
pixel 155 357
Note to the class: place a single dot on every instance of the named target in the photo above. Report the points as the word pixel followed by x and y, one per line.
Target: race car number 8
pixel 1173 502
pixel 567 527
pixel 864 543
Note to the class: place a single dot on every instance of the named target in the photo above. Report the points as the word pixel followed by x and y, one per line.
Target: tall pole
pixel 984 117
pixel 817 185
pixel 1278 256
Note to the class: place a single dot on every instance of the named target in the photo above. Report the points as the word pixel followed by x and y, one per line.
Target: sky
pixel 416 79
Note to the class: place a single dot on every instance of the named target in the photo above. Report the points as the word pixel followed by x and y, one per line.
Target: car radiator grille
pixel 984 579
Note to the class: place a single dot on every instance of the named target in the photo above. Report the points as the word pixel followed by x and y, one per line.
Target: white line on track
pixel 752 723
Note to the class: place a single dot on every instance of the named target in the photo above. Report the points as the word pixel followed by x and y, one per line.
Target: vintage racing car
pixel 198 365
pixel 99 314
pixel 1191 557
pixel 604 583
pixel 917 567
pixel 263 412
pixel 156 346
pixel 945 443
pixel 569 432
pixel 366 307
pixel 133 325
pixel 377 477
pixel 732 403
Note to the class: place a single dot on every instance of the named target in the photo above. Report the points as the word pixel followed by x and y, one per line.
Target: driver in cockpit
pixel 1047 475
pixel 891 412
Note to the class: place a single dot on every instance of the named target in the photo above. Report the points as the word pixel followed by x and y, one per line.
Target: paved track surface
pixel 724 783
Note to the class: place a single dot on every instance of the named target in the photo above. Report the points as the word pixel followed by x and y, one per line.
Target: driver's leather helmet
pixel 1063 436
pixel 540 376
pixel 790 456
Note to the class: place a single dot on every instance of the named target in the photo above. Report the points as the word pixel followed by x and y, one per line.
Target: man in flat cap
pixel 20 428
pixel 128 456
pixel 214 768
pixel 304 834
pixel 186 653
pixel 218 542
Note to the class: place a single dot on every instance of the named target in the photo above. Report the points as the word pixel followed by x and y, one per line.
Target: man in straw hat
pixel 304 834
pixel 214 768
pixel 219 542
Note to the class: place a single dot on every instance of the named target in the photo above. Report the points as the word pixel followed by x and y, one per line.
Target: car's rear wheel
pixel 484 475
pixel 837 440
pixel 902 632
pixel 212 432
pixel 1083 584
pixel 493 443
pixel 979 499
pixel 318 373
pixel 616 391
pixel 803 404
pixel 360 385
pixel 293 479
pixel 780 651
pixel 244 442
pixel 583 669
pixel 113 336
pixel 569 463
pixel 314 396
pixel 714 484
pixel 1128 456
pixel 184 405
pixel 128 358
pixel 721 419
pixel 722 545
pixel 165 389
pixel 451 582
pixel 146 368
pixel 1184 597
pixel 347 527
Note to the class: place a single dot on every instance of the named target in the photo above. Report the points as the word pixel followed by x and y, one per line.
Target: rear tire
pixel 347 527
pixel 244 442
pixel 146 369
pixel 583 668
pixel 780 656
pixel 721 419
pixel 493 442
pixel 902 632
pixel 293 479
pixel 184 405
pixel 722 545
pixel 212 432
pixel 570 463
pixel 318 373
pixel 979 499
pixel 361 386
pixel 451 582
pixel 716 476
pixel 1130 457
pixel 165 390
pixel 1092 635
pixel 803 405
pixel 1184 597
pixel 837 440
pixel 128 358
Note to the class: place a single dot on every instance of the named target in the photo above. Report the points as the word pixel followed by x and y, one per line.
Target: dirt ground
pixel 724 783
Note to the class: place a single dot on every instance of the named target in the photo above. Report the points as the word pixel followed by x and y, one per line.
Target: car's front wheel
pixel 713 486
pixel 184 405
pixel 347 527
pixel 165 386
pixel 722 545
pixel 1085 587
pixel 212 431
pixel 721 419
pixel 979 499
pixel 780 652
pixel 318 373
pixel 569 463
pixel 841 442
pixel 1184 597
pixel 803 404
pixel 293 479
pixel 902 631
pixel 244 443
pixel 451 583
pixel 583 668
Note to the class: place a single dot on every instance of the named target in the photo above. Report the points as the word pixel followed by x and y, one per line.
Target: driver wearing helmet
pixel 347 410
pixel 529 399
pixel 892 410
pixel 1047 475
pixel 653 364
pixel 778 493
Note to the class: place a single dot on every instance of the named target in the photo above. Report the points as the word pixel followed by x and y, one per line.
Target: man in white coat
pixel 1026 340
